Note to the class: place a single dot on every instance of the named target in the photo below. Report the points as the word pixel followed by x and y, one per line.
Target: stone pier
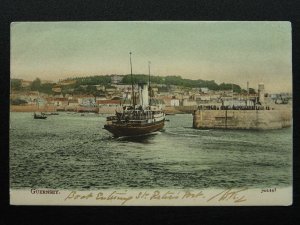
pixel 242 119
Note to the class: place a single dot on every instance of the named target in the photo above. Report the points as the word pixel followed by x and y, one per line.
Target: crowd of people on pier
pixel 233 107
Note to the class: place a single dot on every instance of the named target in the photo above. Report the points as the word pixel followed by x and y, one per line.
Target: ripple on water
pixel 70 151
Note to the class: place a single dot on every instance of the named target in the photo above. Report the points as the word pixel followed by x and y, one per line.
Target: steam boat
pixel 137 119
pixel 39 116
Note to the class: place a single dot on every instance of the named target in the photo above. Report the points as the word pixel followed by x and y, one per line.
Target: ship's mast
pixel 231 94
pixel 149 93
pixel 149 72
pixel 132 91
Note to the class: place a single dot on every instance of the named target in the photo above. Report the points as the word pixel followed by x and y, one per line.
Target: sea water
pixel 72 151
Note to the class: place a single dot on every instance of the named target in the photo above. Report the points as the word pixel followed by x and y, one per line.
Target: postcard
pixel 151 113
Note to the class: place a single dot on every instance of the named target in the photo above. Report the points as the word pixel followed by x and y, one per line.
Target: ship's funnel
pixel 143 93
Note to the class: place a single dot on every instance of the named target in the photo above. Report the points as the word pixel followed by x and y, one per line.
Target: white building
pixel 115 79
pixel 204 90
pixel 174 102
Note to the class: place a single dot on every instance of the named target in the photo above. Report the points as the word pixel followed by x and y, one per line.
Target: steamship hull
pixel 120 130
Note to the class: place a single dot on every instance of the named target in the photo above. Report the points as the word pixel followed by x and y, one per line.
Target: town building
pixel 115 79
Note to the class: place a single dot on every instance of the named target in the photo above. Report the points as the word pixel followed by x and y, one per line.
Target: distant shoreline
pixel 167 109
pixel 31 108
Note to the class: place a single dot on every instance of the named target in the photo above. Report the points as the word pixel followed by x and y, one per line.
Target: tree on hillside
pixel 136 78
pixel 46 88
pixel 79 90
pixel 210 84
pixel 252 91
pixel 16 84
pixel 167 80
pixel 93 80
pixel 36 84
pixel 91 90
pixel 234 87
pixel 174 80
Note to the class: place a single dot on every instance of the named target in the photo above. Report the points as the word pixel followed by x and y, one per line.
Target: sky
pixel 230 52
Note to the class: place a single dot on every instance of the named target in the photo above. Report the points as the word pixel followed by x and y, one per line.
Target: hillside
pixel 80 85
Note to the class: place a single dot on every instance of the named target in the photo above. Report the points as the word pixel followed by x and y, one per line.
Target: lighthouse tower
pixel 261 93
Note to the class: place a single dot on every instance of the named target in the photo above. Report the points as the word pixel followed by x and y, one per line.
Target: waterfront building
pixel 174 102
pixel 73 102
pixel 189 102
pixel 60 101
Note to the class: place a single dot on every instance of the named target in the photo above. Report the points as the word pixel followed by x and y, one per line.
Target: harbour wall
pixel 180 109
pixel 32 108
pixel 242 119
pixel 107 110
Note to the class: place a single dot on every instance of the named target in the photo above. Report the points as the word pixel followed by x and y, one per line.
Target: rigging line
pixel 133 97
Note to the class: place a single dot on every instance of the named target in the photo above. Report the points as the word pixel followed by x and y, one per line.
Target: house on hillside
pixel 100 87
pixel 66 82
pixel 25 83
pixel 126 95
pixel 60 101
pixel 189 102
pixel 174 102
pixel 165 99
pixel 110 102
pixel 101 97
pixel 115 79
pixel 111 91
pixel 73 102
pixel 109 106
pixel 204 90
pixel 87 100
pixel 56 89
